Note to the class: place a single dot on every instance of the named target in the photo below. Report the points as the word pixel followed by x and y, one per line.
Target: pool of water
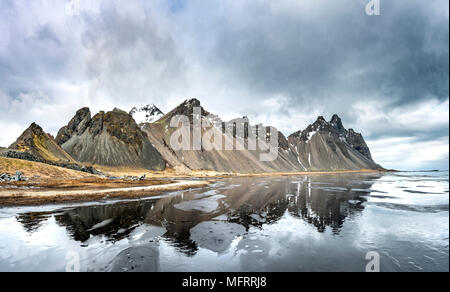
pixel 312 223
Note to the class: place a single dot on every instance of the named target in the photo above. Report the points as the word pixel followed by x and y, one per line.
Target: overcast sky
pixel 280 62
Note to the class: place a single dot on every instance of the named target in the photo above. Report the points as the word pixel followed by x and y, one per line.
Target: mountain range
pixel 109 139
pixel 141 139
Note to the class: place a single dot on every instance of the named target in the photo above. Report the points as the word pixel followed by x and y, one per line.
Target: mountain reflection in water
pixel 246 202
pixel 225 215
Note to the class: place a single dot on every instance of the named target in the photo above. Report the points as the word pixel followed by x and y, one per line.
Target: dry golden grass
pixel 124 171
pixel 172 173
pixel 28 198
pixel 93 183
pixel 37 169
pixel 31 169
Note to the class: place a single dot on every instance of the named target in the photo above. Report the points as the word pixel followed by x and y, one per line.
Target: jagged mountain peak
pixel 119 110
pixel 151 107
pixel 41 145
pixel 84 111
pixel 336 123
pixel 111 139
pixel 336 131
pixel 186 108
pixel 26 139
pixel 147 114
pixel 193 102
pixel 35 128
pixel 189 104
pixel 77 124
pixel 320 123
pixel 321 119
pixel 335 118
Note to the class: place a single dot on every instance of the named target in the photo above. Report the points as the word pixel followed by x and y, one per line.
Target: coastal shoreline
pixel 80 190
pixel 10 198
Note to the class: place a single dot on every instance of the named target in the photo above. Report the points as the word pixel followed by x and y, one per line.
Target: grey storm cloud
pixel 280 62
pixel 401 55
pixel 130 56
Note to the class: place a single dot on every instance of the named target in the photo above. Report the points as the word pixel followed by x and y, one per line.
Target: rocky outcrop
pixel 184 109
pixel 76 126
pixel 109 139
pixel 5 177
pixel 36 145
pixel 357 142
pixel 20 155
pixel 30 157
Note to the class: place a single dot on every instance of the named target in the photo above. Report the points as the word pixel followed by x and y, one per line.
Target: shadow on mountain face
pixel 322 201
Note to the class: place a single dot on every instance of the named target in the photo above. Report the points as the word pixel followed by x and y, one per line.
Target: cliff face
pixel 76 126
pixel 109 139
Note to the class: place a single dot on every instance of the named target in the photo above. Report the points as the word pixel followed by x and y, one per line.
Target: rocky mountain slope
pixel 328 145
pixel 321 146
pixel 243 161
pixel 109 139
pixel 39 146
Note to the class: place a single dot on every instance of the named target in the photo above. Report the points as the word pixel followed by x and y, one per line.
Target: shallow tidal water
pixel 315 223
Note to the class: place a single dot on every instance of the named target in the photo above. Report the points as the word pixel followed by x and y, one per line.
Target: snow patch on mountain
pixel 146 114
